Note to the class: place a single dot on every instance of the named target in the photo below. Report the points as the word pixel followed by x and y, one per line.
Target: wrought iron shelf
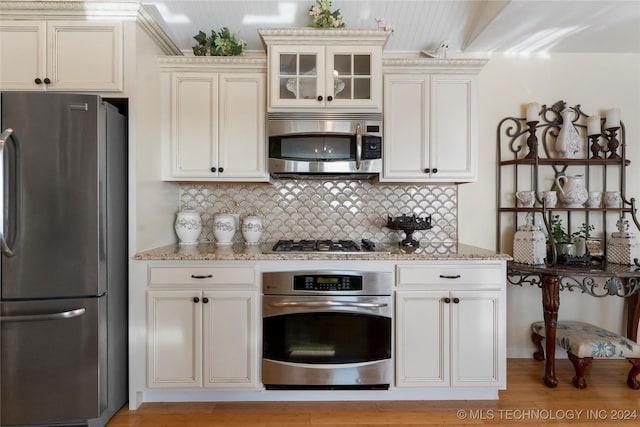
pixel 563 209
pixel 542 161
pixel 526 162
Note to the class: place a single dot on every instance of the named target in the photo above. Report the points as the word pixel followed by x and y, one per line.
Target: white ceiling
pixel 471 26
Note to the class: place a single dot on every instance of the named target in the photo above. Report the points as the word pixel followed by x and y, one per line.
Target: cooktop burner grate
pixel 318 246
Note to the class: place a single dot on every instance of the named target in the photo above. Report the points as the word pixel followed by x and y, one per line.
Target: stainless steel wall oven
pixel 327 330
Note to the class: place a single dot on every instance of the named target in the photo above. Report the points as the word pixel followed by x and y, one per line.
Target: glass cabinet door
pixel 299 75
pixel 353 76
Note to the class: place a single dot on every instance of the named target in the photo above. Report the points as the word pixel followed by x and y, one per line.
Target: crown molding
pixel 336 36
pixel 123 10
pixel 391 64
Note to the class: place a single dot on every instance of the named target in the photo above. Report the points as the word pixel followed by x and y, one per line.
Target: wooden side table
pixel 619 280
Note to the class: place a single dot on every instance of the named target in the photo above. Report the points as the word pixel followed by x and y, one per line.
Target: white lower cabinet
pixel 202 338
pixel 453 335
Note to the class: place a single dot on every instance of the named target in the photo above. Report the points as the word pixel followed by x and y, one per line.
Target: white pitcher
pixel 572 191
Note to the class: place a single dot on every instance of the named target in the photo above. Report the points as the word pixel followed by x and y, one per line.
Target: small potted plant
pixel 221 43
pixel 580 238
pixel 562 240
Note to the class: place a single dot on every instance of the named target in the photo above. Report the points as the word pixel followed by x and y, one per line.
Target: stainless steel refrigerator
pixel 63 295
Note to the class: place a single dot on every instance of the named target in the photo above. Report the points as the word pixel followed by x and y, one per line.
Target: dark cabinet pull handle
pixel 456 300
pixel 447 300
pixel 201 276
pixel 427 170
pixel 38 81
pixel 47 80
pixel 319 97
pixel 445 276
pixel 220 169
pixel 196 299
pixel 213 169
pixel 205 300
pixel 435 170
pixel 329 98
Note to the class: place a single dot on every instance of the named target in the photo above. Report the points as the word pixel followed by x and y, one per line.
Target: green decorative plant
pixel 322 17
pixel 584 232
pixel 558 231
pixel 221 43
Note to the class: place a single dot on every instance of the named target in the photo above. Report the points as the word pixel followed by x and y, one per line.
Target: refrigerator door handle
pixel 6 248
pixel 48 316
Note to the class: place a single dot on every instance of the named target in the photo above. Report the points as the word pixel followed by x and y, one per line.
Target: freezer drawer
pixel 53 356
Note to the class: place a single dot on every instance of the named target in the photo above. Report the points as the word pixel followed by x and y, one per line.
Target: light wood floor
pixel 526 402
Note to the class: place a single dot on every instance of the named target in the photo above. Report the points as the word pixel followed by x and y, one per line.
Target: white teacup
pixel 526 198
pixel 612 199
pixel 594 199
pixel 550 198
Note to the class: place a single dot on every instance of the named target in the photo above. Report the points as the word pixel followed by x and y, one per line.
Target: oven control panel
pixel 327 282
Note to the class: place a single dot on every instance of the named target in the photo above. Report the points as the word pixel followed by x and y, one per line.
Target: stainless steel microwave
pixel 316 145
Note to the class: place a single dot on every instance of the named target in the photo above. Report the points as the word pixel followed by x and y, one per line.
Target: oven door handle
pixel 358 146
pixel 317 304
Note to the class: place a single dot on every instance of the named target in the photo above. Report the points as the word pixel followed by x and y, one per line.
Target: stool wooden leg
pixel 537 340
pixel 633 373
pixel 579 364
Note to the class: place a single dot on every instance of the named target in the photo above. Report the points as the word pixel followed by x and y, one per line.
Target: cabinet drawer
pixel 450 274
pixel 202 275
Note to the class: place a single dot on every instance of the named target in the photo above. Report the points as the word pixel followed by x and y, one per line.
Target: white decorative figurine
pixel 569 143
pixel 440 52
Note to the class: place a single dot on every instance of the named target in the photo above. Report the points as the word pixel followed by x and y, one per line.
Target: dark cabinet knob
pixel 456 300
pixel 47 80
pixel 427 170
pixel 329 98
pixel 213 169
pixel 205 300
pixel 196 299
pixel 220 169
pixel 435 170
pixel 319 97
pixel 447 300
pixel 38 81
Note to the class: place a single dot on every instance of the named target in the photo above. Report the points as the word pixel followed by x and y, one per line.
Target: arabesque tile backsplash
pixel 314 209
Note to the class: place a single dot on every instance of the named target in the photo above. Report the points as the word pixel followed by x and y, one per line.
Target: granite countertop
pixel 389 251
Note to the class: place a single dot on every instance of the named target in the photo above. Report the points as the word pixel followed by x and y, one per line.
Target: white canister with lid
pixel 252 229
pixel 623 246
pixel 188 227
pixel 224 228
pixel 529 244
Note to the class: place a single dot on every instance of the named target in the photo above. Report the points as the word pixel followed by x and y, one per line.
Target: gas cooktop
pixel 325 246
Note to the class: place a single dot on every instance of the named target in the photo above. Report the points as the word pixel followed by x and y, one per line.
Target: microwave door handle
pixel 358 146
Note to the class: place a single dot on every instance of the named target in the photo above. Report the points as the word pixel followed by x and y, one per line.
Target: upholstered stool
pixel 585 342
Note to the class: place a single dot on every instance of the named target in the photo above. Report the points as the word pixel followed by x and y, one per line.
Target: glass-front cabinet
pixel 312 76
pixel 321 70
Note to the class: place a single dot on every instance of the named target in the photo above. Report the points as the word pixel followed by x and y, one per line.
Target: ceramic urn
pixel 623 246
pixel 188 227
pixel 529 244
pixel 252 229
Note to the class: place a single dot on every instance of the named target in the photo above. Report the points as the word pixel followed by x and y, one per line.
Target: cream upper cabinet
pixel 325 77
pixel 217 127
pixel 430 130
pixel 324 69
pixel 430 119
pixel 61 55
pixel 451 325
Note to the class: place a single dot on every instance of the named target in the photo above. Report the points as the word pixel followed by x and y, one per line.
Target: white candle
pixel 593 125
pixel 613 118
pixel 532 112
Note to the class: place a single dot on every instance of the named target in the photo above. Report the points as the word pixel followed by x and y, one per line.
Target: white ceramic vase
pixel 224 228
pixel 188 227
pixel 568 143
pixel 252 229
